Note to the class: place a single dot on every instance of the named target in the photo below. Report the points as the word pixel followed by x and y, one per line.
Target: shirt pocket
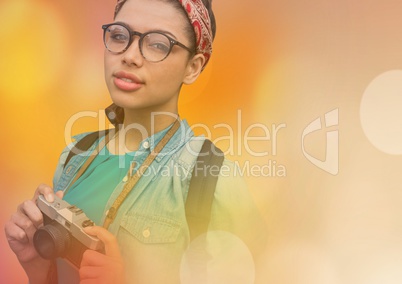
pixel 151 229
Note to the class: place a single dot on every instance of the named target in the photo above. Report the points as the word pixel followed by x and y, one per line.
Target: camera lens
pixel 52 240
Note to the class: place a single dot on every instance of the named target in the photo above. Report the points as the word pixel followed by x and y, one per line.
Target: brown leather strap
pixel 128 187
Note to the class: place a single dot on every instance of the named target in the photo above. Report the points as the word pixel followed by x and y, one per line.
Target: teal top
pixel 93 189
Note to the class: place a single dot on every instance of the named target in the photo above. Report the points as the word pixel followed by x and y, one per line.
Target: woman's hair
pixel 189 28
pixel 208 5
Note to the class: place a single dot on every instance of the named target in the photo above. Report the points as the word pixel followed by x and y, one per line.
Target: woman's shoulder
pixel 74 139
pixel 86 140
pixel 71 142
pixel 192 154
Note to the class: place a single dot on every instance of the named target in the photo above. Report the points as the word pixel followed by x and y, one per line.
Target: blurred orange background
pixel 275 63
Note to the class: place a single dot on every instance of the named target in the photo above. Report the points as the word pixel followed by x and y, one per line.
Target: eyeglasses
pixel 154 46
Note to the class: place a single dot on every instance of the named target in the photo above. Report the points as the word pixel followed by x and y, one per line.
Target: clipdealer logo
pixel 331 162
pixel 253 140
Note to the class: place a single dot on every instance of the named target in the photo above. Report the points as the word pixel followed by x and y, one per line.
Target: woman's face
pixel 135 83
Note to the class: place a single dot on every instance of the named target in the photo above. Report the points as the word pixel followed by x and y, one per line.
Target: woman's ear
pixel 194 68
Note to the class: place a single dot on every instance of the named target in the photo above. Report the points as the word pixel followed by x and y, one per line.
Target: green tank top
pixel 93 189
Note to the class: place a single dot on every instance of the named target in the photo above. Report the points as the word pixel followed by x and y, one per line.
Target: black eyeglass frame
pixel 132 33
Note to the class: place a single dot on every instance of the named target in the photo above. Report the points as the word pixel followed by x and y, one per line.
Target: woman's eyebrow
pixel 165 32
pixel 159 31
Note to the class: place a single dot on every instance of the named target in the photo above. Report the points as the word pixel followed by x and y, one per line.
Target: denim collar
pixel 182 135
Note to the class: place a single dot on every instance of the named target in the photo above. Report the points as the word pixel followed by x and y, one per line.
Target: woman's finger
pixel 29 209
pixel 109 240
pixel 93 258
pixel 60 194
pixel 90 272
pixel 14 232
pixel 44 190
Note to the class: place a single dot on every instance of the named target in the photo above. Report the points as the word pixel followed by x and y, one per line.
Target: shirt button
pixel 146 233
pixel 69 170
pixel 146 145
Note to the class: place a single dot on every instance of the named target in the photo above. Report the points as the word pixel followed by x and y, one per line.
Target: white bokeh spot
pixel 381 112
pixel 226 260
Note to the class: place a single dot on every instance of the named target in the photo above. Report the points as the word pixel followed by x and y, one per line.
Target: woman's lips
pixel 127 82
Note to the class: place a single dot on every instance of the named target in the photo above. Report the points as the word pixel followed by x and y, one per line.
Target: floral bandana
pixel 199 18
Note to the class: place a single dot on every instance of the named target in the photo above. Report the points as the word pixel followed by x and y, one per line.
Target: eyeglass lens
pixel 153 46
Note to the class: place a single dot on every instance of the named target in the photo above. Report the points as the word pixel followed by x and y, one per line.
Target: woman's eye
pixel 160 46
pixel 116 36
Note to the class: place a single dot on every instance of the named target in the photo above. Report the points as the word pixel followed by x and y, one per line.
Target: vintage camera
pixel 62 234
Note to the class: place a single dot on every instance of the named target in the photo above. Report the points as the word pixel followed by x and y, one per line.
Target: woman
pixel 152 48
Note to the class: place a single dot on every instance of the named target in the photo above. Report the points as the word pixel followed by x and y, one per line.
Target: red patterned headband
pixel 199 18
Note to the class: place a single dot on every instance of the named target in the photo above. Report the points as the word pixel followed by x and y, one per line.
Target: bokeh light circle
pixel 33 48
pixel 381 112
pixel 228 260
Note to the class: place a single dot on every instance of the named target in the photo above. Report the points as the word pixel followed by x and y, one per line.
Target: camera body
pixel 62 234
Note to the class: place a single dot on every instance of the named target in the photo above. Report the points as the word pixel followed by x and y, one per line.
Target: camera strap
pixel 130 184
pixel 111 213
pixel 202 185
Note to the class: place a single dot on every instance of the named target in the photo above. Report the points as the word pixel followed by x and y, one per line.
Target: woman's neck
pixel 137 126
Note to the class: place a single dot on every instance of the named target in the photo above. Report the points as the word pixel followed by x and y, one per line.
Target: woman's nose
pixel 133 56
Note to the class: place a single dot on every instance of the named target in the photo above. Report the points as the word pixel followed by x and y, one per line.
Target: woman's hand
pixel 20 230
pixel 98 268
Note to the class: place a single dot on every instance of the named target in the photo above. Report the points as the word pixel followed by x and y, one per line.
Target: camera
pixel 62 234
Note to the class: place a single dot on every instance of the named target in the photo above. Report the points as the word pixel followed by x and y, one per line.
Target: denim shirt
pixel 151 226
